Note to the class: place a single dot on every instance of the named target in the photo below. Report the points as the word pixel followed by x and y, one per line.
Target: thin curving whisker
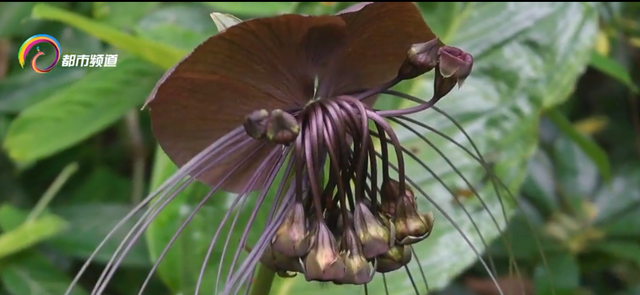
pixel 455 225
pixel 254 213
pixel 152 212
pixel 170 182
pixel 189 218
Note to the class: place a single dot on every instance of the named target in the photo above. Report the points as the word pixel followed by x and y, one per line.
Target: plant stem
pixel 263 281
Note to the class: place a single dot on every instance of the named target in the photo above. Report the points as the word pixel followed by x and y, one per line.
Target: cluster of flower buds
pixel 348 245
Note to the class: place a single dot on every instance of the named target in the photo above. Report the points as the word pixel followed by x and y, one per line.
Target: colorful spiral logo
pixel 33 41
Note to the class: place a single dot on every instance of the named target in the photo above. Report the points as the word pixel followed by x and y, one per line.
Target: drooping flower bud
pixel 282 128
pixel 412 226
pixel 421 58
pixel 291 238
pixel 454 62
pixel 397 257
pixel 373 235
pixel 255 124
pixel 284 266
pixel 358 270
pixel 323 263
pixel 390 195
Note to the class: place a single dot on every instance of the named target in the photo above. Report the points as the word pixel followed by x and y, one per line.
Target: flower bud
pixel 421 58
pixel 255 123
pixel 373 235
pixel 284 266
pixel 391 195
pixel 358 270
pixel 323 263
pixel 282 128
pixel 291 238
pixel 454 62
pixel 397 257
pixel 412 226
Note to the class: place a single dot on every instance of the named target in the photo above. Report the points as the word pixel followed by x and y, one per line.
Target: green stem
pixel 263 281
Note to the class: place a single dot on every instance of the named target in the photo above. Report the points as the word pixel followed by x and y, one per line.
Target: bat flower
pixel 282 107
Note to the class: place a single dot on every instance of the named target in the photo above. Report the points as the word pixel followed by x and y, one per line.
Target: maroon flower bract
pixel 272 63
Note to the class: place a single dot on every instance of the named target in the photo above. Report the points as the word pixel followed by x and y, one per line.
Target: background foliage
pixel 553 91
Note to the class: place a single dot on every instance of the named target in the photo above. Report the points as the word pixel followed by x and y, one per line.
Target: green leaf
pixel 620 249
pixel 590 148
pixel 88 225
pixel 561 277
pixel 33 274
pixel 11 16
pixel 152 51
pixel 122 14
pixel 27 234
pixel 253 8
pixel 613 69
pixel 184 26
pixel 103 185
pixel 79 111
pixel 14 97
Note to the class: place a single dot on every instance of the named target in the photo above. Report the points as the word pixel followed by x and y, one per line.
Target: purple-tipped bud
pixel 255 124
pixel 421 58
pixel 397 257
pixel 454 62
pixel 373 235
pixel 291 238
pixel 358 270
pixel 284 266
pixel 323 263
pixel 282 127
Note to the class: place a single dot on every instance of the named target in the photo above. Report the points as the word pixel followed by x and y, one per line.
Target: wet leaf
pixel 77 112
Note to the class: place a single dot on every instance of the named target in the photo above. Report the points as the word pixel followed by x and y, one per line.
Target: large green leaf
pixel 524 64
pixel 34 274
pixel 80 110
pixel 151 51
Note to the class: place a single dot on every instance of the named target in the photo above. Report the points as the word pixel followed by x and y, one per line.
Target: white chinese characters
pixel 91 61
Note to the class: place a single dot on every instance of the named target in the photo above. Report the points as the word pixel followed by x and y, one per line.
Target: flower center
pixel 345 222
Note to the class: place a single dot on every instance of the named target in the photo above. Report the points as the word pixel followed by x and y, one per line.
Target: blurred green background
pixel 553 95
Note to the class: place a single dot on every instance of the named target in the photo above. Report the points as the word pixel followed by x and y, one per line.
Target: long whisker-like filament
pixel 496 181
pixel 187 169
pixel 187 220
pixel 452 222
pixel 140 226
